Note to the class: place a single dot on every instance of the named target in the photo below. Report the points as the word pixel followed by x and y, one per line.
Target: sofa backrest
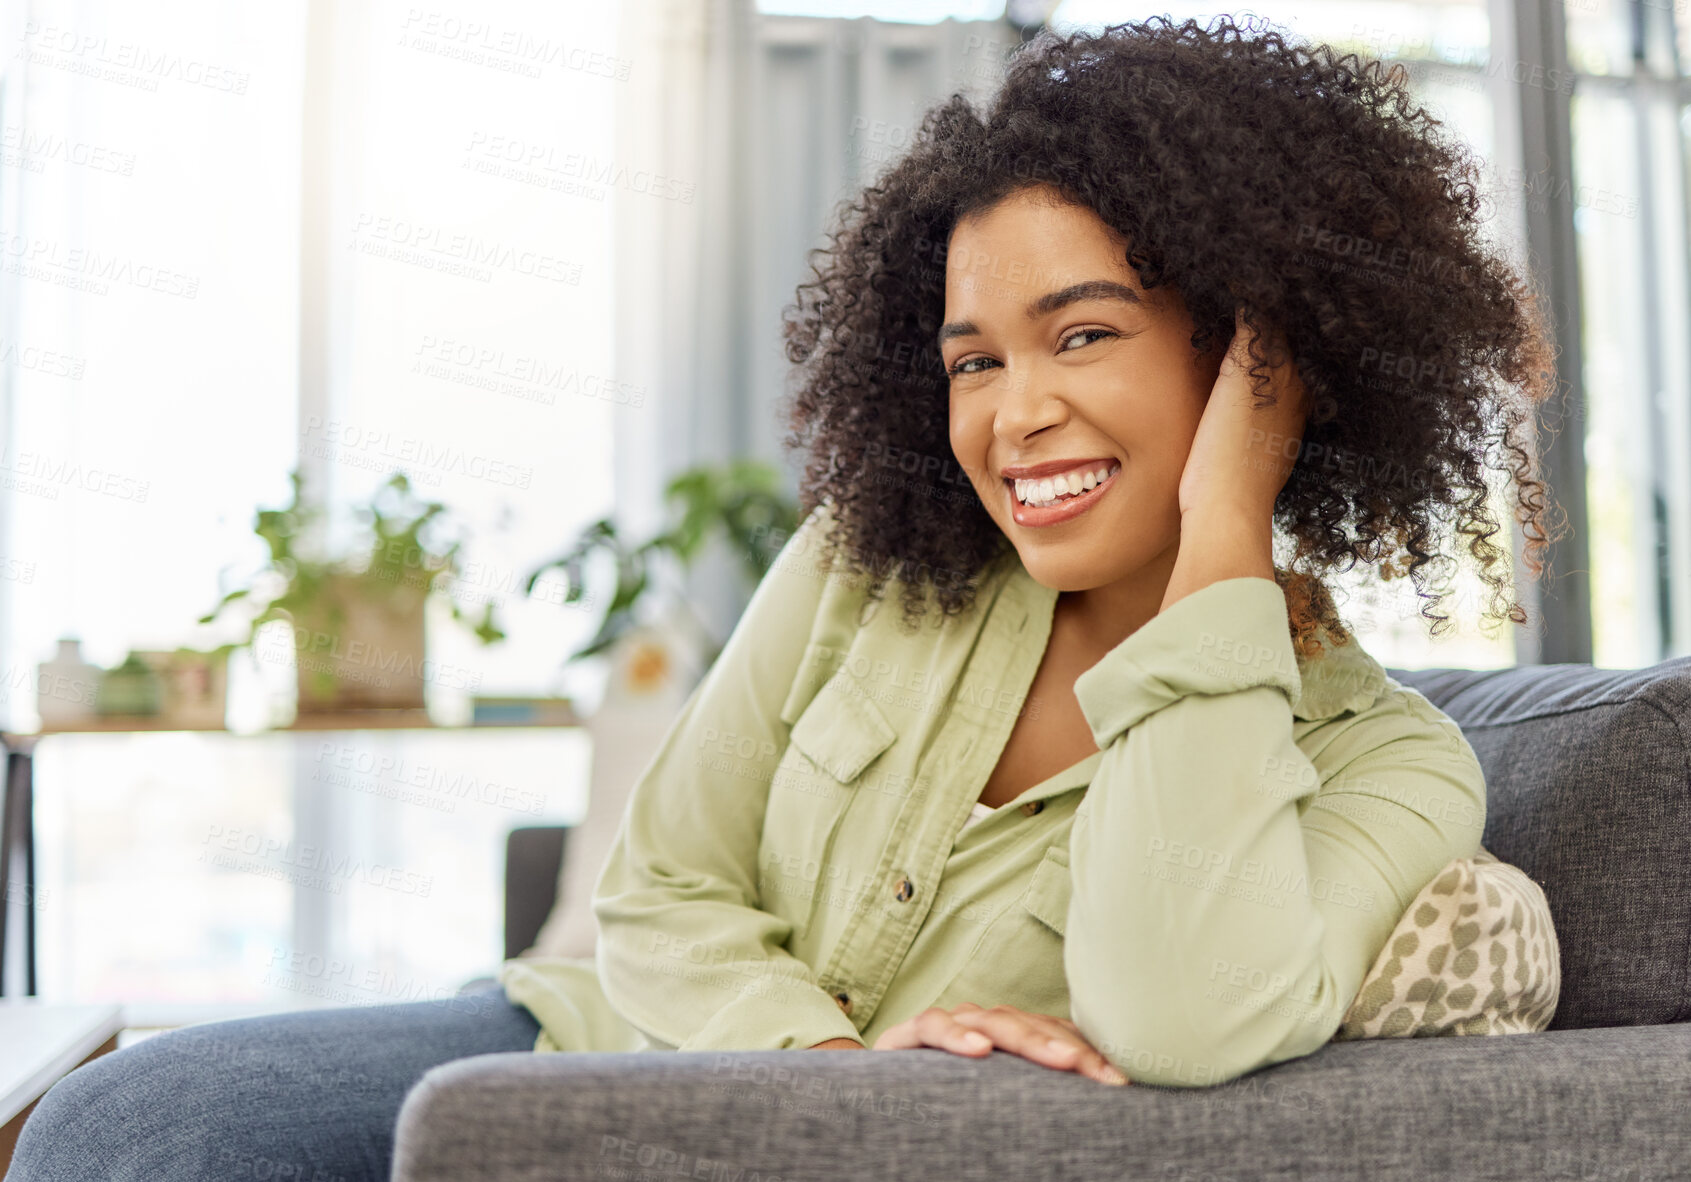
pixel 1588 790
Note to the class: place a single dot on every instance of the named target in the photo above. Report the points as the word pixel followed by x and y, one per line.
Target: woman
pixel 1113 791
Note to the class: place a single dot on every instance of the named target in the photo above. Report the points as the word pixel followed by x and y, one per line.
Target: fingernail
pixel 976 1039
pixel 1113 1075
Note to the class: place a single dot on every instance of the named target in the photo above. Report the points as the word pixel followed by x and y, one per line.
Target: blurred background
pixel 389 424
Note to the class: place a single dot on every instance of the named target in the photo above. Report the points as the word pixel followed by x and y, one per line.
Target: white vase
pixel 66 686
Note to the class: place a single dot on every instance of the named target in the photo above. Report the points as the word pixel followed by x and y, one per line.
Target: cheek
pixel 971 437
pixel 1148 428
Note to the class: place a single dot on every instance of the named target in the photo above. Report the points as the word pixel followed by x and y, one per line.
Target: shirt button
pixel 1032 807
pixel 906 890
pixel 844 1000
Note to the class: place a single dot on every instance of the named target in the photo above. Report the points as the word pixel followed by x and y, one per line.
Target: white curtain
pixel 679 259
pixel 148 301
pixel 678 340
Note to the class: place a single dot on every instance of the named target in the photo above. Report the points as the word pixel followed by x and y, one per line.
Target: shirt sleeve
pixel 685 953
pixel 1228 896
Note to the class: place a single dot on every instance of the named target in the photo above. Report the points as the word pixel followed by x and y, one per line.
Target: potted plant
pixel 357 619
pixel 180 687
pixel 740 500
pixel 193 686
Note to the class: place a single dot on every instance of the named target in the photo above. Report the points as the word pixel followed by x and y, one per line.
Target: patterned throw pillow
pixel 1475 953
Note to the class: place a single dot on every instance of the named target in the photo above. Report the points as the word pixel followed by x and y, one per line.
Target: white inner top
pixel 979 811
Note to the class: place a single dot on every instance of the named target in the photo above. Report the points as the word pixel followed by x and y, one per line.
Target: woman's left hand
pixel 1242 456
pixel 970 1030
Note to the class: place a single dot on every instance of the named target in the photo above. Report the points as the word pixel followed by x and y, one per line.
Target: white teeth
pixel 1043 492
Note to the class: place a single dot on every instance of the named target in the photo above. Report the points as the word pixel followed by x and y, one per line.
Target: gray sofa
pixel 1589 780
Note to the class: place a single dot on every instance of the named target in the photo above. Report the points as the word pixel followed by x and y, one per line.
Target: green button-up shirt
pixel 1202 896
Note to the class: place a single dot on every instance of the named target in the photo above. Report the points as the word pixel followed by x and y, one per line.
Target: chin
pixel 1082 570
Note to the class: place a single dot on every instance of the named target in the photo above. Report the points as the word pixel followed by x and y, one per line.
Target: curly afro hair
pixel 1252 173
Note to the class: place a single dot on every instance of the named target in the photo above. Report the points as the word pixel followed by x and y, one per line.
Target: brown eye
pixel 954 370
pixel 1073 336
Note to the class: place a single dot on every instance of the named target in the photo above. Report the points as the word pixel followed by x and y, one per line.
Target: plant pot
pixel 131 688
pixel 361 647
pixel 193 688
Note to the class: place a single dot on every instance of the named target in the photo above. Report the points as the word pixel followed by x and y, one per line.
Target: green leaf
pixel 742 500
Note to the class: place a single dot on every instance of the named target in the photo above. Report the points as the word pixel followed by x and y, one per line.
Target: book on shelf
pixel 490 711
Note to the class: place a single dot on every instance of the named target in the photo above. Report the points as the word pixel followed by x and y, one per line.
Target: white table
pixel 39 1045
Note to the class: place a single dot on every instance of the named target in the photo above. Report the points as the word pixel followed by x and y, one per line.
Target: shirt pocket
pixel 831 743
pixel 1018 960
pixel 842 731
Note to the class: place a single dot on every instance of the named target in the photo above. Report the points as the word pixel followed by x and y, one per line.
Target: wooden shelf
pixel 343 720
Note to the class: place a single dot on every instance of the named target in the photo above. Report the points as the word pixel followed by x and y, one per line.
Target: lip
pixel 1034 518
pixel 1051 468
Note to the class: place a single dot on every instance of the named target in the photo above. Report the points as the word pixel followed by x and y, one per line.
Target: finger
pixel 938 1028
pixel 1032 1036
pixel 987 1018
pixel 1088 1060
pixel 902 1037
pixel 934 1027
pixel 1049 1041
pixel 1066 1024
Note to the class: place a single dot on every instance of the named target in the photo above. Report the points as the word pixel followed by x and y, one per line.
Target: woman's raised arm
pixel 1224 912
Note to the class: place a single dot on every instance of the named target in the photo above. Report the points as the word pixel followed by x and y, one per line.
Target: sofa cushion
pixel 1474 953
pixel 1588 790
pixel 1557 1104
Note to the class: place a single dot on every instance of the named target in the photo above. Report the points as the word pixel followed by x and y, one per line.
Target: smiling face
pixel 1058 356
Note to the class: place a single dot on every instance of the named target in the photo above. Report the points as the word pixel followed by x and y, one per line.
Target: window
pixel 209 280
pixel 473 182
pixel 1627 199
pixel 150 288
pixel 904 11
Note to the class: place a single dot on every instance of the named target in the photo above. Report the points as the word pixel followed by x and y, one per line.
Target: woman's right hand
pixel 973 1031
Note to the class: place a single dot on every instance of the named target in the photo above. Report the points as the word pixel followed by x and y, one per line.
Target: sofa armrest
pixel 534 857
pixel 1555 1104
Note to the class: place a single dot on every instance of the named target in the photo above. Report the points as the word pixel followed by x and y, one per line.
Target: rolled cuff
pixel 789 1016
pixel 1229 636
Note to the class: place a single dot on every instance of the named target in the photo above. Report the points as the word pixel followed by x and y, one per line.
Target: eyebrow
pixel 1051 301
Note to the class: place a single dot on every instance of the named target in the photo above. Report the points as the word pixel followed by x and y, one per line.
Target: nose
pixel 1027 405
